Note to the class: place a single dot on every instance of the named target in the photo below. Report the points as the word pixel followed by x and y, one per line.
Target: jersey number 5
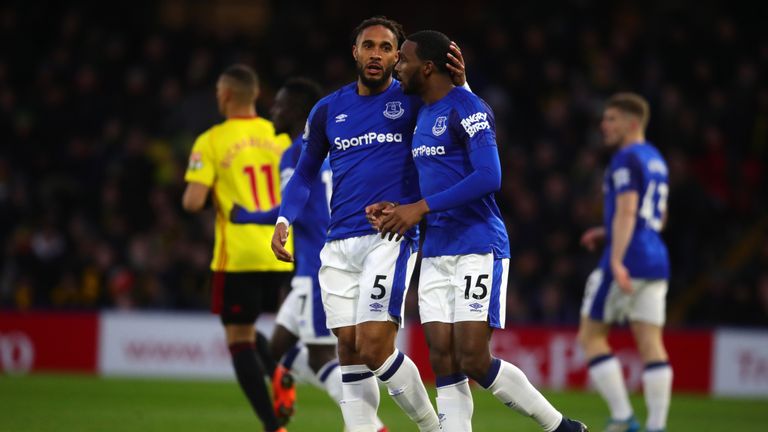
pixel 266 170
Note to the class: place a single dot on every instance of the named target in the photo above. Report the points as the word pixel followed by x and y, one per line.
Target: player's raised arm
pixel 297 190
pixel 457 67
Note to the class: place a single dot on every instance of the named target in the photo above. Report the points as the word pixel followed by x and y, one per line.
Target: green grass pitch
pixel 63 403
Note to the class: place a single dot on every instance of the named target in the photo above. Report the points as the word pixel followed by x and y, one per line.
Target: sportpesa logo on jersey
pixel 475 123
pixel 428 151
pixel 393 110
pixel 369 138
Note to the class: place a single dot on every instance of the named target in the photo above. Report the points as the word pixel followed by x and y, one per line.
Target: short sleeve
pixel 202 165
pixel 472 121
pixel 626 174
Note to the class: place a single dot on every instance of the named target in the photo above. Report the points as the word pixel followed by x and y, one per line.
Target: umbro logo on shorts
pixel 376 307
pixel 476 306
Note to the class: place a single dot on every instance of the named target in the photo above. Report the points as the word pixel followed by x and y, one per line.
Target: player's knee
pixel 441 360
pixel 474 364
pixel 374 353
pixel 347 352
pixel 651 349
pixel 585 340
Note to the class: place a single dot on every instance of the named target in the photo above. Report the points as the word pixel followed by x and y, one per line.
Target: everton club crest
pixel 393 110
pixel 439 126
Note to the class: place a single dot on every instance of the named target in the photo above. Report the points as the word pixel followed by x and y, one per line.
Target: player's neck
pixel 436 88
pixel 364 90
pixel 236 111
pixel 633 139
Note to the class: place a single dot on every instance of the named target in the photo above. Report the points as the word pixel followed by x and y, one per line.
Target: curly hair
pixel 381 20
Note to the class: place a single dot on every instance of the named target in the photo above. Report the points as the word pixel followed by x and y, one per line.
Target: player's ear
pixel 428 68
pixel 354 52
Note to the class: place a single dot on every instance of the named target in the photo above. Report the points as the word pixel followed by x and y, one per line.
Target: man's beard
pixel 408 88
pixel 373 83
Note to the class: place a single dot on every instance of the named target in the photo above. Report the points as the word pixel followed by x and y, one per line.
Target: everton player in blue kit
pixel 366 129
pixel 462 287
pixel 630 282
pixel 301 316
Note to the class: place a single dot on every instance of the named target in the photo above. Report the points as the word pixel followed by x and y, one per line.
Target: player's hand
pixel 456 65
pixel 374 212
pixel 398 220
pixel 236 215
pixel 622 278
pixel 279 238
pixel 593 238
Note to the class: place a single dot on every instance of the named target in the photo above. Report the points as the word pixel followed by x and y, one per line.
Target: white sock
pixel 360 398
pixel 605 373
pixel 454 403
pixel 510 385
pixel 329 377
pixel 657 389
pixel 402 379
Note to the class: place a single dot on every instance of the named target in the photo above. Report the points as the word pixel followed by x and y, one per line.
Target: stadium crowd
pixel 98 109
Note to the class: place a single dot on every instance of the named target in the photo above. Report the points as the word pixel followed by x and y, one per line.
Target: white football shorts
pixel 604 301
pixel 302 312
pixel 464 288
pixel 365 279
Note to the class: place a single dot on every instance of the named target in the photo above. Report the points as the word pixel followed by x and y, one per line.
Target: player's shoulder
pixel 464 102
pixel 651 149
pixel 328 101
pixel 634 156
pixel 653 159
pixel 206 135
pixel 283 141
pixel 340 94
pixel 641 151
pixel 205 138
pixel 261 122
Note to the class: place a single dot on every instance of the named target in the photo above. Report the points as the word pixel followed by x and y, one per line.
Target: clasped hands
pixel 395 219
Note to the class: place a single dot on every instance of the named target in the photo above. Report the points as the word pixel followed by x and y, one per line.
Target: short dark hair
pixel 432 46
pixel 381 20
pixel 244 82
pixel 306 92
pixel 631 103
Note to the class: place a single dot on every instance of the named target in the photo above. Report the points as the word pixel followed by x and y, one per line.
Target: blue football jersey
pixel 310 226
pixel 368 140
pixel 447 132
pixel 640 168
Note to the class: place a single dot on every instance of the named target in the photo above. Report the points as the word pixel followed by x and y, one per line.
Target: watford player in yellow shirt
pixel 237 162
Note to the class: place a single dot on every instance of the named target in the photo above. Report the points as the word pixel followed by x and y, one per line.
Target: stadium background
pixel 100 103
